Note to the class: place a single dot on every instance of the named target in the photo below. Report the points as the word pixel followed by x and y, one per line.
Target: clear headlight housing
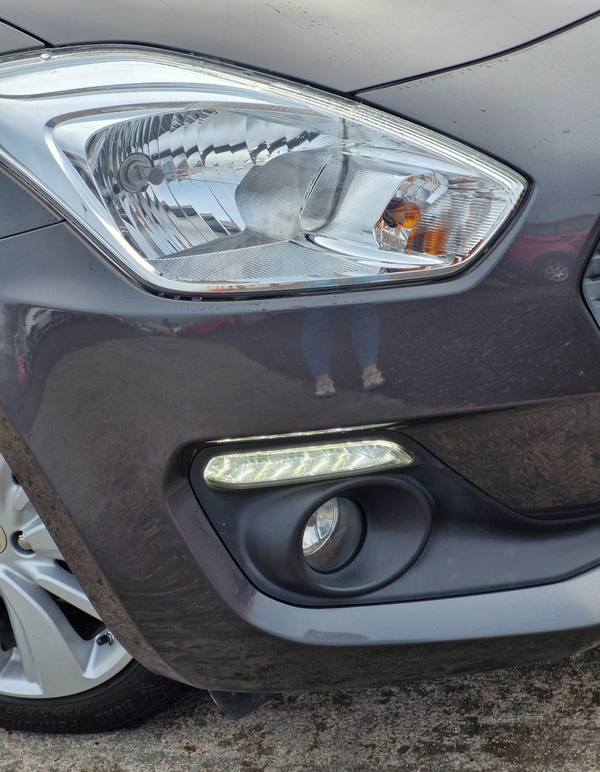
pixel 203 178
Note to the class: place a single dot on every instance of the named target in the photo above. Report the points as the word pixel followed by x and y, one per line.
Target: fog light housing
pixel 333 535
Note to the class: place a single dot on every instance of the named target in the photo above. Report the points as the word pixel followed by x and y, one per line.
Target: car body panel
pixel 12 39
pixel 119 382
pixel 341 45
pixel 536 109
pixel 552 135
pixel 20 210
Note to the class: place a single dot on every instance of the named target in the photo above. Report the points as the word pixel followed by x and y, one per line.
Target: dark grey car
pixel 300 363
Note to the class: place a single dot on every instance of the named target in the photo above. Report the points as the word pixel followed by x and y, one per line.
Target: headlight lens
pixel 198 177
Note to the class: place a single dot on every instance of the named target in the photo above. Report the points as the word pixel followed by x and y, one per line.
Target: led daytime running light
pixel 253 469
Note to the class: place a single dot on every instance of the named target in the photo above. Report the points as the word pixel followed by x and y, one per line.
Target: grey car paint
pixel 141 545
pixel 499 104
pixel 346 45
pixel 20 211
pixel 502 105
pixel 12 39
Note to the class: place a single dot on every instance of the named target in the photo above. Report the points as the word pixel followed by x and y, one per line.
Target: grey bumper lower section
pixel 283 647
pixel 567 608
pixel 573 604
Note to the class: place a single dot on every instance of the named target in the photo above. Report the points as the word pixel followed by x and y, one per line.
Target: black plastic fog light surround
pixel 371 528
pixel 474 544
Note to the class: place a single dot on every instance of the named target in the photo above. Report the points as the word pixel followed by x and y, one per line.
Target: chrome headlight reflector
pixel 200 178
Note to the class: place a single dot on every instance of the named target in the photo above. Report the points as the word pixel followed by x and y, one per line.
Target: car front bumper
pixel 104 385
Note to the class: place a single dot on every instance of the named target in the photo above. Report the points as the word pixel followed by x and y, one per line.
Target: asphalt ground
pixel 533 718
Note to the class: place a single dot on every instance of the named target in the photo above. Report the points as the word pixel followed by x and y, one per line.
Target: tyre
pixel 554 268
pixel 61 670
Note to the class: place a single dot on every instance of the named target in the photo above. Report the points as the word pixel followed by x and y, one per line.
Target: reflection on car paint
pixel 547 251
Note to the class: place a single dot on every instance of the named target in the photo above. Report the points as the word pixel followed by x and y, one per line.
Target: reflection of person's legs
pixel 317 339
pixel 364 324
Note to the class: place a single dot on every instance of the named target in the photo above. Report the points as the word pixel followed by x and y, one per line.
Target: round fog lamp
pixel 332 535
pixel 320 527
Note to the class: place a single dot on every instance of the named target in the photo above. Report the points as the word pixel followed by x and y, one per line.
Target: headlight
pixel 197 177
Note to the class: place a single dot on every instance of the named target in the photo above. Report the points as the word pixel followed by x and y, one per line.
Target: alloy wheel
pixel 52 642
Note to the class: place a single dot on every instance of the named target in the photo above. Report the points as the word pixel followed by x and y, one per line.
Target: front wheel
pixel 61 670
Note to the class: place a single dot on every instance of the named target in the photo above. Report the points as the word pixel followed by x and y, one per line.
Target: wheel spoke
pixel 51 653
pixel 55 579
pixel 40 540
pixel 50 659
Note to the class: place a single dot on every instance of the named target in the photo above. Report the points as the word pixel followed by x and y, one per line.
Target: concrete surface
pixel 534 718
